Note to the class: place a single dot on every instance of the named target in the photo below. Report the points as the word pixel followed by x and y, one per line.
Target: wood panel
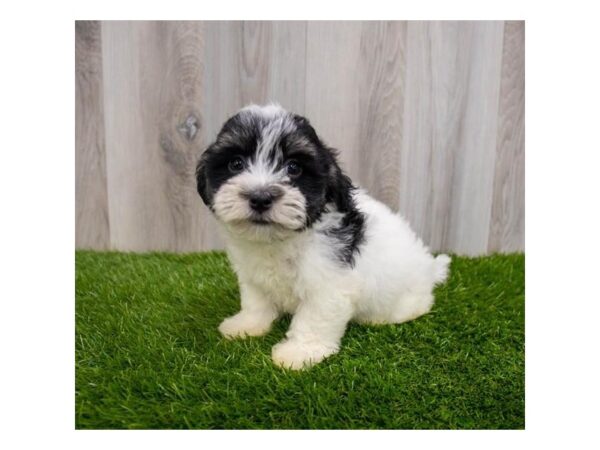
pixel 447 161
pixel 428 117
pixel 152 71
pixel 382 68
pixel 287 78
pixel 252 62
pixel 507 228
pixel 332 86
pixel 91 200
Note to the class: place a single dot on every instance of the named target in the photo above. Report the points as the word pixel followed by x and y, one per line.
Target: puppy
pixel 303 240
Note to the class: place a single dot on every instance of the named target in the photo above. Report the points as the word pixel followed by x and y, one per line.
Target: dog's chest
pixel 275 271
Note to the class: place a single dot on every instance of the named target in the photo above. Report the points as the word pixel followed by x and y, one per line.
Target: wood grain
pixel 447 161
pixel 507 227
pixel 332 86
pixel 287 77
pixel 91 200
pixel 382 68
pixel 428 117
pixel 152 121
pixel 181 130
pixel 253 62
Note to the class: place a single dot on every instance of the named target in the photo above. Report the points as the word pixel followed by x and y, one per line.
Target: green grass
pixel 148 354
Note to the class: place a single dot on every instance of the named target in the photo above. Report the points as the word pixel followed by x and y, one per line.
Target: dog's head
pixel 268 174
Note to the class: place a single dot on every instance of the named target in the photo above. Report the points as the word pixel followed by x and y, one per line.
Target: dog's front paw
pixel 292 354
pixel 243 325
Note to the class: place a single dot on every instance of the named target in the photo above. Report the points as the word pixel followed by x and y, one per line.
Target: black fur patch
pixel 351 231
pixel 237 138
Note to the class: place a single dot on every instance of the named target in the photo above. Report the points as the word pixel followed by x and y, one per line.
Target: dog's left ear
pixel 202 180
pixel 339 186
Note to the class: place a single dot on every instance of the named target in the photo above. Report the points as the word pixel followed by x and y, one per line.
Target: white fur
pixel 297 273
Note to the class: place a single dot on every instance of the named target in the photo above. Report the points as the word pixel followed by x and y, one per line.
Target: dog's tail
pixel 440 268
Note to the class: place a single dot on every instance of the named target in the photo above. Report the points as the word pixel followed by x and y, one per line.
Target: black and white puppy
pixel 303 240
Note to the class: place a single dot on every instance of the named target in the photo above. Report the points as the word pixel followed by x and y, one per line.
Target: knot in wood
pixel 190 127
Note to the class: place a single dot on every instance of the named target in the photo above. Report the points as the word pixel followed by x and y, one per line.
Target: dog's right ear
pixel 202 183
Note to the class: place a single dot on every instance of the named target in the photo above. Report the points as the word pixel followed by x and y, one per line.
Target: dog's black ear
pixel 352 227
pixel 339 186
pixel 202 183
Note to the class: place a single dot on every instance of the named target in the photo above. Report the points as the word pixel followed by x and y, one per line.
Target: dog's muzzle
pixel 262 199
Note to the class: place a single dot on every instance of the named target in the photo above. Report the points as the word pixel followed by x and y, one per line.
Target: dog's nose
pixel 260 201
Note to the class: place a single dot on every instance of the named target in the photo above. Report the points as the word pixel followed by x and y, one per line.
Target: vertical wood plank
pixel 287 71
pixel 382 72
pixel 448 156
pixel 354 98
pixel 332 86
pixel 181 131
pixel 153 78
pixel 253 62
pixel 91 202
pixel 507 232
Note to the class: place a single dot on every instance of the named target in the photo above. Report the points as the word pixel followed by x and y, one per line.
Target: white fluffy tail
pixel 440 267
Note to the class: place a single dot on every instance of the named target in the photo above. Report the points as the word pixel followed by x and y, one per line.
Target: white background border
pixel 562 222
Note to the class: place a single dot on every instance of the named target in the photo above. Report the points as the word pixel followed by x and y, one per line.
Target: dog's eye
pixel 236 165
pixel 293 169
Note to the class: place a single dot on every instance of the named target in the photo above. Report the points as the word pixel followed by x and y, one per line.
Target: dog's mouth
pixel 260 221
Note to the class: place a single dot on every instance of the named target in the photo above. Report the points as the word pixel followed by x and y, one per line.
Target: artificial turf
pixel 148 354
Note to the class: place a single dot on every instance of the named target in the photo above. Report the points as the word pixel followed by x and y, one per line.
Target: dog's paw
pixel 243 325
pixel 291 354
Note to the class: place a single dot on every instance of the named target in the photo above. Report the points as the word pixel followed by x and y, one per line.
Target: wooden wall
pixel 428 116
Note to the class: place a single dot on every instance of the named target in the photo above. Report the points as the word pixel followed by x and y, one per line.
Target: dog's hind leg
pixel 411 306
